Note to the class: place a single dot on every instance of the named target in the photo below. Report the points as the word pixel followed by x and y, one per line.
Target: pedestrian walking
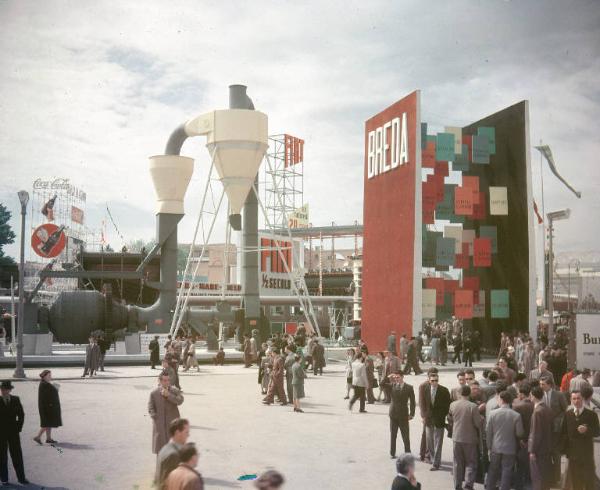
pixel 163 409
pixel 465 422
pixel 154 349
pixel 435 406
pixel 12 418
pixel 49 407
pixel 457 349
pixel 443 349
pixel 247 349
pixel 371 380
pixel 403 348
pixel 185 476
pixel 402 410
pixel 290 358
pixel 391 342
pixel 434 354
pixel 318 358
pixel 540 442
pixel 103 346
pixel 467 351
pixel 92 358
pixel 298 377
pixel 412 357
pixel 557 403
pixel 359 381
pixel 276 380
pixel 391 366
pixel 168 457
pixel 524 407
pixel 191 361
pixel 349 359
pixel 504 429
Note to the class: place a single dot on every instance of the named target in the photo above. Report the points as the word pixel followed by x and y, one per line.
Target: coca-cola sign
pixel 59 184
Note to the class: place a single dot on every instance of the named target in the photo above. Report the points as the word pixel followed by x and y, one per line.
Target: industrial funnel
pixel 171 175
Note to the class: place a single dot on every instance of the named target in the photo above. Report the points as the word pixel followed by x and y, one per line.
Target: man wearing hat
pixel 154 348
pixel 11 423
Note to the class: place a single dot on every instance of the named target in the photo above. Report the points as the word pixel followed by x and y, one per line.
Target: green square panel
pixel 499 303
pixel 444 148
pixel 491 134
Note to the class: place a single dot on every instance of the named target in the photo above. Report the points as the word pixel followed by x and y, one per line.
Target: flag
pixel 545 150
pixel 537 213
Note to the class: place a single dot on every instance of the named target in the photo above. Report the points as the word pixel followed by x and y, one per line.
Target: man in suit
pixel 489 388
pixel 580 426
pixel 287 364
pixel 540 442
pixel 168 456
pixel 580 381
pixel 154 348
pixel 12 418
pixel 185 477
pixel 555 401
pixel 412 358
pixel 524 407
pixel 391 342
pixel 541 371
pixel 423 389
pixel 508 373
pixel 92 358
pixel 391 365
pixel 435 406
pixel 466 422
pixel 462 380
pixel 503 430
pixel 276 381
pixel 162 407
pixel 403 394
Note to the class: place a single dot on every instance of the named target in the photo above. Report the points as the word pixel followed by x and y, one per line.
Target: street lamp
pixel 552 217
pixel 19 371
pixel 573 261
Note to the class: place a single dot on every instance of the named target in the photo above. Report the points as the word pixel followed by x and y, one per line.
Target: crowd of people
pixel 509 428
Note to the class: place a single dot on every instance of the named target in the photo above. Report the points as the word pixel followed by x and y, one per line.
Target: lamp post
pixel 553 216
pixel 573 261
pixel 19 371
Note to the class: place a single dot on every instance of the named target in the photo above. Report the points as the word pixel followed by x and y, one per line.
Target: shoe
pixel 392 456
pixel 362 411
pixel 38 440
pixel 283 404
pixel 24 481
pixel 300 410
pixel 51 441
pixel 5 483
pixel 370 403
pixel 346 398
pixel 265 402
pixel 434 468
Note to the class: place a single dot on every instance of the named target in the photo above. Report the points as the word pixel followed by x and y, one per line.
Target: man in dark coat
pixel 580 426
pixel 435 406
pixel 163 409
pixel 103 346
pixel 412 357
pixel 403 395
pixel 391 342
pixel 154 348
pixel 318 358
pixel 92 358
pixel 540 442
pixel 12 418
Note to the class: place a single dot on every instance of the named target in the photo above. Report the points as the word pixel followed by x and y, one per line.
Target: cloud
pixel 90 90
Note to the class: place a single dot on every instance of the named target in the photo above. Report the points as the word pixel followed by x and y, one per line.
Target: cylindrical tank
pixel 75 314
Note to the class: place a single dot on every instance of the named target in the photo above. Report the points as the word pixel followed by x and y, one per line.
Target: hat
pixel 7 385
pixel 44 373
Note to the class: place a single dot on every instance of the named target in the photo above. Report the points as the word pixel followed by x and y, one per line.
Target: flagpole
pixel 544 295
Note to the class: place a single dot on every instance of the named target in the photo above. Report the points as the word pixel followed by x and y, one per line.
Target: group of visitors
pixel 12 418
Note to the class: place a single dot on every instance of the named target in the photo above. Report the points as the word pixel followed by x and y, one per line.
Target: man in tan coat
pixel 162 407
pixel 185 477
pixel 276 382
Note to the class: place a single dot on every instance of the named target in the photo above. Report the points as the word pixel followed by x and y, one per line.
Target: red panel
pixel 436 283
pixel 441 168
pixel 429 196
pixel 479 209
pixel 450 285
pixel 463 303
pixel 472 283
pixel 264 254
pixel 389 235
pixel 461 261
pixel 463 201
pixel 472 182
pixel 291 327
pixel 467 139
pixel 428 155
pixel 482 252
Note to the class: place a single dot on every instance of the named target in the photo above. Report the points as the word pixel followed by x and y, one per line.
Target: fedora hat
pixel 7 385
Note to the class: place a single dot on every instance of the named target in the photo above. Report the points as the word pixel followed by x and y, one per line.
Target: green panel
pixel 423 135
pixel 499 303
pixel 444 148
pixel 461 162
pixel 445 311
pixel 276 327
pixel 491 134
pixel 445 208
pixel 481 149
pixel 445 251
pixel 429 247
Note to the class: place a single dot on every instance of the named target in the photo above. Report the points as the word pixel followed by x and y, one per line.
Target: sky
pixel 90 89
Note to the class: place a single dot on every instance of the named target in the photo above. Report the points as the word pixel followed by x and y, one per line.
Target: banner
pixel 587 344
pixel 463 304
pixel 499 303
pixel 429 303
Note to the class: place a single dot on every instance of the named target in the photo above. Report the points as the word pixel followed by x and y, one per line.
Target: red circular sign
pixel 48 240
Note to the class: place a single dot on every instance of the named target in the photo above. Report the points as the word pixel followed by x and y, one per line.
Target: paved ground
pixel 105 443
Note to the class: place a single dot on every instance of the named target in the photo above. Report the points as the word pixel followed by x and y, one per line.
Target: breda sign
pixel 387 147
pixel 391 281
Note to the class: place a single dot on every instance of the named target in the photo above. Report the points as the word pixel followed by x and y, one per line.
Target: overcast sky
pixel 90 89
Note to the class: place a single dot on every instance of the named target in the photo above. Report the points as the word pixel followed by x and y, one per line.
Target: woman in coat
pixel 359 381
pixel 298 376
pixel 349 358
pixel 49 407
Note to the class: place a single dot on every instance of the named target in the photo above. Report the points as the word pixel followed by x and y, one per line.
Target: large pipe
pixel 238 99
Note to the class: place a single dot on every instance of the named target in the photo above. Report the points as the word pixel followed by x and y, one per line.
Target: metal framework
pixel 283 183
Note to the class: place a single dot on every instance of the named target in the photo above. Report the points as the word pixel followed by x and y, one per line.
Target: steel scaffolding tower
pixel 283 182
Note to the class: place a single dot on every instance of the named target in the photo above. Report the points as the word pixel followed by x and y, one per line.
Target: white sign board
pixel 588 341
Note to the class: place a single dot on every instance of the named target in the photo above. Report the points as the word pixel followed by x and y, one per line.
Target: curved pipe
pixel 176 140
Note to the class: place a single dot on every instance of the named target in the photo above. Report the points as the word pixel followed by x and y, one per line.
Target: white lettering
pixel 385 151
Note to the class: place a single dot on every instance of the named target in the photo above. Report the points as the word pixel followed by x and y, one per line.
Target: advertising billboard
pixel 391 276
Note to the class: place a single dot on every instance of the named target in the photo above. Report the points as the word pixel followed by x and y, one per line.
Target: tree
pixel 137 245
pixel 7 236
